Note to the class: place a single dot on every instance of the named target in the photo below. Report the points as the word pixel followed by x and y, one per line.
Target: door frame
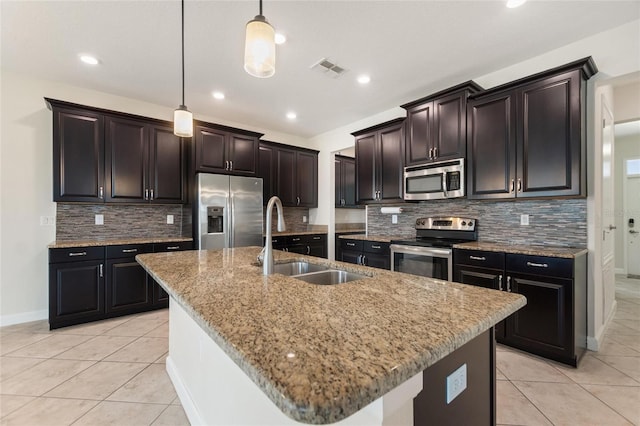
pixel 625 208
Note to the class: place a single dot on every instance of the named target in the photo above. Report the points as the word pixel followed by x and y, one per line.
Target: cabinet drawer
pixel 76 254
pixel 375 247
pixel 128 250
pixel 484 259
pixel 163 247
pixel 540 265
pixel 351 245
pixel 317 239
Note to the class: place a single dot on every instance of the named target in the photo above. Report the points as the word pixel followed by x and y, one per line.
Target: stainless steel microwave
pixel 434 181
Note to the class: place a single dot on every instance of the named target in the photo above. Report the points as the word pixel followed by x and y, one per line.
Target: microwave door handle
pixel 445 190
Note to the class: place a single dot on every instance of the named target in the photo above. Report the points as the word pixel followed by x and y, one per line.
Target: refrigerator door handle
pixel 232 219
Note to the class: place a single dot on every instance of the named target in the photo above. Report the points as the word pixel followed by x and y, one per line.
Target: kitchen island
pixel 242 344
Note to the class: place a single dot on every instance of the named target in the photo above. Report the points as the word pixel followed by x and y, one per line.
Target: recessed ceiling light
pixel 291 115
pixel 364 79
pixel 90 60
pixel 280 38
pixel 515 3
pixel 218 95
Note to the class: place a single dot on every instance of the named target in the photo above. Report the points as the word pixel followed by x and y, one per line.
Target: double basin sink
pixel 315 274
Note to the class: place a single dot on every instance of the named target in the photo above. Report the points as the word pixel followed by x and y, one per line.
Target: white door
pixel 632 216
pixel 607 213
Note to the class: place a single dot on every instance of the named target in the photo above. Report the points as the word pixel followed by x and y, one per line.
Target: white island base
pixel 213 390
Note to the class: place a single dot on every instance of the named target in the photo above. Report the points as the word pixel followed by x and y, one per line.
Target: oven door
pixel 423 261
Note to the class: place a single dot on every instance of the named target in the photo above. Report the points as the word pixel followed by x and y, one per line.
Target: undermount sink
pixel 297 268
pixel 315 274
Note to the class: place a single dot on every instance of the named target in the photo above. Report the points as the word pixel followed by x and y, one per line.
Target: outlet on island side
pixel 456 383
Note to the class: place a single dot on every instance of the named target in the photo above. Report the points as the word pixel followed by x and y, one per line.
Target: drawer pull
pixel 295 239
pixel 375 247
pixel 509 284
pixel 478 258
pixel 82 253
pixel 538 265
pixel 351 244
pixel 173 247
pixel 129 250
pixel 317 238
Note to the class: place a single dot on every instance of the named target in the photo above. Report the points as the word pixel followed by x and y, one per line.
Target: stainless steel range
pixel 430 253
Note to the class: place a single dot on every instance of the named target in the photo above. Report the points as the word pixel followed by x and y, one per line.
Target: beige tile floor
pixel 112 373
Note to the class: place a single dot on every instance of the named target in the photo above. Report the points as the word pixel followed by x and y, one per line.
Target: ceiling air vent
pixel 328 68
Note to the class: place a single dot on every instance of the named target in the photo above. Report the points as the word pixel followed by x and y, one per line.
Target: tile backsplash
pixel 293 218
pixel 552 222
pixel 77 221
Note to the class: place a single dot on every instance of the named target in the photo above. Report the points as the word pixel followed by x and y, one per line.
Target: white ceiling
pixel 410 49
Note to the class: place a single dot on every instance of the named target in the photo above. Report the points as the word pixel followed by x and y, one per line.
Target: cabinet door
pixel 350 256
pixel 210 147
pixel 544 325
pixel 76 292
pixel 419 134
pixel 450 138
pixel 338 182
pixel 243 154
pixel 480 277
pixel 491 147
pixel 349 182
pixel 78 152
pixel 366 170
pixel 128 287
pixel 391 163
pixel 126 160
pixel 167 166
pixel 307 179
pixel 267 171
pixel 287 177
pixel 549 137
pixel 377 260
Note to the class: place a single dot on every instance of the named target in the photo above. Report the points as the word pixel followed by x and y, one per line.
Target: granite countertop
pixel 351 343
pixel 115 242
pixel 550 251
pixel 376 238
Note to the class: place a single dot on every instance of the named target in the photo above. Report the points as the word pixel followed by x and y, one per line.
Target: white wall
pixel 627 101
pixel 626 147
pixel 26 183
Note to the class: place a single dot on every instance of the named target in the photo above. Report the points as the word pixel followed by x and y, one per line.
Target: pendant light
pixel 260 47
pixel 182 117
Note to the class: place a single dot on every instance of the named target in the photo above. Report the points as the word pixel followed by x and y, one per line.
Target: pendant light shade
pixel 260 47
pixel 182 117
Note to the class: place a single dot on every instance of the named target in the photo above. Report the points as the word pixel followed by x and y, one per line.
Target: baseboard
pixel 185 399
pixel 595 342
pixel 23 317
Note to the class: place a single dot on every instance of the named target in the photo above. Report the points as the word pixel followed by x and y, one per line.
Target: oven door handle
pixel 428 251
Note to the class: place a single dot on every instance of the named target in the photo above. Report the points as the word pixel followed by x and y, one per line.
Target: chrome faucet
pixel 267 251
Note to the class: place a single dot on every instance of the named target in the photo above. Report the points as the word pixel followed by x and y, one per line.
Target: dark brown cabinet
pixel 160 296
pixel 129 288
pixel 167 166
pixel 527 138
pixel 436 125
pixel 380 162
pixel 553 323
pixel 366 253
pixel 345 181
pixel 220 149
pixel 289 172
pixel 311 245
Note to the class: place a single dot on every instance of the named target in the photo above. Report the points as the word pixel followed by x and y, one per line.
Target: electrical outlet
pixel 524 219
pixel 394 218
pixel 304 219
pixel 99 219
pixel 47 220
pixel 456 383
pixel 169 219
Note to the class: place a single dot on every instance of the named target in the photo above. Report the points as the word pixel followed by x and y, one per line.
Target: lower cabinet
pixel 93 283
pixel 367 253
pixel 310 245
pixel 553 322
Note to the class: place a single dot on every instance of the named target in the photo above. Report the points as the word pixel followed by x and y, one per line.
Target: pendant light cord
pixel 183 52
pixel 260 7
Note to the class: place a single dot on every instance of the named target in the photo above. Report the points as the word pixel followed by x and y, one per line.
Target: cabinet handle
pixel 297 201
pixel 173 248
pixel 230 164
pixel 351 244
pixel 146 194
pixel 129 250
pixel 81 253
pixel 435 153
pixel 101 192
pixel 295 239
pixel 364 260
pixel 151 194
pixel 308 250
pixel 101 271
pixel 375 247
pixel 519 185
pixel 538 265
pixel 478 258
pixel 500 282
pixel 509 284
pixel 430 153
pixel 317 238
pixel 513 185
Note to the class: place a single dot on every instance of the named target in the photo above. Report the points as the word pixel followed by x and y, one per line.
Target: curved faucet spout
pixel 267 261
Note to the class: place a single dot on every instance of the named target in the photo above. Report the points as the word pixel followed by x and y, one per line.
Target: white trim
pixel 595 343
pixel 625 209
pixel 185 398
pixel 23 317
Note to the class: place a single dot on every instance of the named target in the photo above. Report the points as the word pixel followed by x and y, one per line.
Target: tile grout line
pixel 531 402
pixel 605 403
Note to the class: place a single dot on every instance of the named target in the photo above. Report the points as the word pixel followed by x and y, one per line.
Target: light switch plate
pixel 169 219
pixel 304 219
pixel 524 219
pixel 456 383
pixel 99 219
pixel 47 220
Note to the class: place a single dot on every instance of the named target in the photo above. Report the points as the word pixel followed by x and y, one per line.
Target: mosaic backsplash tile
pixel 77 221
pixel 552 222
pixel 293 218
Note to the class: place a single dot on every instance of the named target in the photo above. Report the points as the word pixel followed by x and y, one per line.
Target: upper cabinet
pixel 289 172
pixel 345 181
pixel 436 125
pixel 221 149
pixel 107 156
pixel 380 162
pixel 527 138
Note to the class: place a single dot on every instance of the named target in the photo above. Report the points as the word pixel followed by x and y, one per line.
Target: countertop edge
pixel 116 241
pixel 550 251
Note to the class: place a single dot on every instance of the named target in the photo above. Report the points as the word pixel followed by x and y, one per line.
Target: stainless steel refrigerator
pixel 229 211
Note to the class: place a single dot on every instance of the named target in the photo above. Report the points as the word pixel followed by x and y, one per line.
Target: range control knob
pixel 470 223
pixel 463 223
